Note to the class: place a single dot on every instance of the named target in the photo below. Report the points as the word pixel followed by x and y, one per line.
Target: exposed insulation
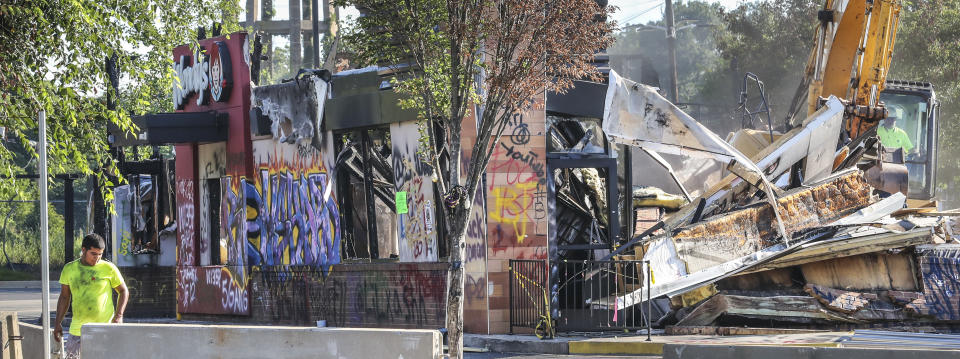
pixel 749 230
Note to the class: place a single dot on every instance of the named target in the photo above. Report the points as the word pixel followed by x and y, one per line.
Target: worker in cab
pixel 893 137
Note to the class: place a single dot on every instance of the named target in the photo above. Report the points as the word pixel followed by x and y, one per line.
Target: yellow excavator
pixel 851 60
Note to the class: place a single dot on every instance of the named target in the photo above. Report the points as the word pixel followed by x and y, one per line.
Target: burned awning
pixel 176 127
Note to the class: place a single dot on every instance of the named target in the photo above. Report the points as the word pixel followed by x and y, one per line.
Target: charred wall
pixel 384 295
pixel 153 291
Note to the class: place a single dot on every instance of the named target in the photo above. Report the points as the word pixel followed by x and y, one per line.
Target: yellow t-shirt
pixel 894 138
pixel 91 290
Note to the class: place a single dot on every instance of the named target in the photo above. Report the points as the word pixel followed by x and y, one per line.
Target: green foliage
pixel 52 58
pixel 52 55
pixel 278 67
pixel 697 54
pixel 452 55
pixel 928 49
pixel 20 229
pixel 771 39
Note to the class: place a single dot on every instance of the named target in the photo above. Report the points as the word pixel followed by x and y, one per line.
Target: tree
pixel 697 52
pixel 698 57
pixel 52 58
pixel 523 48
pixel 771 39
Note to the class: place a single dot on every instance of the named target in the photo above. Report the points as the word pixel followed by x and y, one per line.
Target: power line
pixel 642 13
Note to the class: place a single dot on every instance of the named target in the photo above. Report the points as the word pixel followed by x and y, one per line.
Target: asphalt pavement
pixel 27 302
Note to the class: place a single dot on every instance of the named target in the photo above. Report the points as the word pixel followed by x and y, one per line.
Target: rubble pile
pixel 782 232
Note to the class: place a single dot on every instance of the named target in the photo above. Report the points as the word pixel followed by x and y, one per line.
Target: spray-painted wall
pixel 941 286
pixel 394 295
pixel 292 216
pixel 516 205
pixel 201 288
pixel 417 235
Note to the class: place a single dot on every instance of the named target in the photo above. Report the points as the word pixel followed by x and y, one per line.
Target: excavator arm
pixel 851 59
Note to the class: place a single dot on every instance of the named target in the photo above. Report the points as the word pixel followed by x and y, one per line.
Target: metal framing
pixel 555 162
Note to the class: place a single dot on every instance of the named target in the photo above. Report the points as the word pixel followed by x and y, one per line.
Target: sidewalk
pixel 750 342
pixel 637 344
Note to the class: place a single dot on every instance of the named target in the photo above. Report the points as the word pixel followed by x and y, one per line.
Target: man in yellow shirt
pixel 89 283
pixel 893 137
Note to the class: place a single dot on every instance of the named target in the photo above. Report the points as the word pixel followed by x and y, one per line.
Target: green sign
pixel 401 202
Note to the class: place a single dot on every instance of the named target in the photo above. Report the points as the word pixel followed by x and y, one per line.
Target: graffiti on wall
pixel 233 229
pixel 516 187
pixel 212 290
pixel 417 236
pixel 941 286
pixel 185 219
pixel 205 241
pixel 475 282
pixel 388 295
pixel 291 213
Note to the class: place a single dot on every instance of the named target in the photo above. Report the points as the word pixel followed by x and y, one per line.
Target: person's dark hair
pixel 93 240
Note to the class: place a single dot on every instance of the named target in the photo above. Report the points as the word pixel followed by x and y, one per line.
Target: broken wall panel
pixel 739 233
pixel 792 147
pixel 417 234
pixel 798 309
pixel 293 109
pixel 872 271
pixel 861 241
pixel 941 285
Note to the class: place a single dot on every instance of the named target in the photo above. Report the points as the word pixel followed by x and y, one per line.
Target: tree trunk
pixel 455 285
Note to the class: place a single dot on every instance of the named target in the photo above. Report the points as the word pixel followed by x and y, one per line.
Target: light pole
pixel 44 235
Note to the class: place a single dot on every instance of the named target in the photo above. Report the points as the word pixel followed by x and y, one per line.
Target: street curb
pixel 605 347
pixel 503 345
pixel 25 284
pixel 683 351
pixel 655 348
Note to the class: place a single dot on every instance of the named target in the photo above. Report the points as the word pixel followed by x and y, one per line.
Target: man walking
pixel 88 282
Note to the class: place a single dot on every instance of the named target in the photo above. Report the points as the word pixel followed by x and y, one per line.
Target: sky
pixel 643 11
pixel 629 12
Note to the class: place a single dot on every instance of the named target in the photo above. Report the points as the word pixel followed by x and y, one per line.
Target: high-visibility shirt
pixel 894 138
pixel 91 291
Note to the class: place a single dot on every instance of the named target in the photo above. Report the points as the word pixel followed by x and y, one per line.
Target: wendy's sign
pixel 221 72
pixel 207 72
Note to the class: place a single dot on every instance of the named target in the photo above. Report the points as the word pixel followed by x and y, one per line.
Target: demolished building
pixel 307 201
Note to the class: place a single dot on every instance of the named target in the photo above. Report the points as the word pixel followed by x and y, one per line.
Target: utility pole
pixel 672 48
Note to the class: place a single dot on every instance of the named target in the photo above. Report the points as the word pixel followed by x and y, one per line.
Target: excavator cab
pixel 916 109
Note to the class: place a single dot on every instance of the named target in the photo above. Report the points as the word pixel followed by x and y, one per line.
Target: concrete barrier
pixel 225 341
pixel 686 351
pixel 33 341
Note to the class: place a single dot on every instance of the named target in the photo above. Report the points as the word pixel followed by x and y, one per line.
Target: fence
pixel 587 295
pixel 528 297
pixel 589 291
